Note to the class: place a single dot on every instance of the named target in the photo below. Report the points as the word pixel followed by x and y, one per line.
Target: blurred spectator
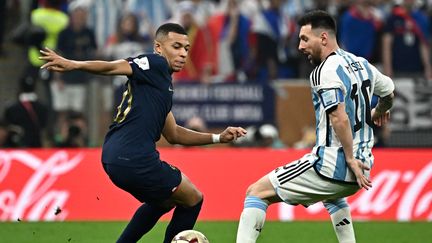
pixel 125 42
pixel 229 32
pixel 267 136
pixel 53 21
pixel 296 8
pixel 272 30
pixel 198 66
pixel 359 28
pixel 150 13
pixel 204 10
pixel 103 17
pixel 127 38
pixel 40 31
pixel 405 44
pixel 76 133
pixel 29 115
pixel 75 42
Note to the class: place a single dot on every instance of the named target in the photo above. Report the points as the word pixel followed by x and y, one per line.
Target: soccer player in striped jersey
pixel 129 154
pixel 338 166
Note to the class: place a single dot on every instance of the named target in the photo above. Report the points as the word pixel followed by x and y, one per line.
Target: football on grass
pixel 190 236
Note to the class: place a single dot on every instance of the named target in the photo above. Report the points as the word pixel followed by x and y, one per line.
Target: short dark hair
pixel 164 29
pixel 318 19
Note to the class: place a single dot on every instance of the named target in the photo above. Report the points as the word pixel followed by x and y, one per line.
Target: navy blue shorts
pixel 153 184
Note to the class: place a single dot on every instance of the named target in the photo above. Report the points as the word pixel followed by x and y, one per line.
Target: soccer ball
pixel 190 236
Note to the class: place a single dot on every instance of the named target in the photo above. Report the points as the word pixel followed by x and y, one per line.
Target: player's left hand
pixel 231 134
pixel 380 119
pixel 357 168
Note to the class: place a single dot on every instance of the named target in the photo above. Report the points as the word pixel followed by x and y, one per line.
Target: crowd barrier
pixel 58 184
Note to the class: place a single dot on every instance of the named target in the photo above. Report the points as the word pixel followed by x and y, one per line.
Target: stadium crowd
pixel 232 41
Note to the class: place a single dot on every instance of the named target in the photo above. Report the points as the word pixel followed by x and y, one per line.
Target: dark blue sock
pixel 142 222
pixel 182 219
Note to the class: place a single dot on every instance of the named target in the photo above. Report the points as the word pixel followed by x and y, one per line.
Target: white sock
pixel 251 220
pixel 342 225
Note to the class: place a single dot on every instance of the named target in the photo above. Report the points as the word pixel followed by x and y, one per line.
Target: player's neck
pixel 329 49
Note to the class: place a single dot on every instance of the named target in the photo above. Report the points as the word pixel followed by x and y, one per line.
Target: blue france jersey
pixel 147 100
pixel 345 78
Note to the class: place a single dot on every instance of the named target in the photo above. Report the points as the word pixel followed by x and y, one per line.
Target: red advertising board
pixel 44 185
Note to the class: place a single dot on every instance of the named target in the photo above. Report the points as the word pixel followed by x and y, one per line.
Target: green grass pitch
pixel 217 232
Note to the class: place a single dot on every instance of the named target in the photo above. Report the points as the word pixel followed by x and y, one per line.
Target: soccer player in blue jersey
pixel 129 154
pixel 338 166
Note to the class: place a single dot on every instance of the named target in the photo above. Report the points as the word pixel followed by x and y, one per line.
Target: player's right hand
pixel 357 168
pixel 55 62
pixel 231 134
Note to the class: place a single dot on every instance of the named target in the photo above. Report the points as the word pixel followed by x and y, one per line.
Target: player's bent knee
pixel 254 190
pixel 193 200
pixel 195 194
pixel 197 197
pixel 262 189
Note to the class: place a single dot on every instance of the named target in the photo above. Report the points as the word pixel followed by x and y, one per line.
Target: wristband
pixel 216 138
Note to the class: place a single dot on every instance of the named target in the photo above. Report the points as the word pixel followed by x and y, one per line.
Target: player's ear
pixel 157 47
pixel 324 37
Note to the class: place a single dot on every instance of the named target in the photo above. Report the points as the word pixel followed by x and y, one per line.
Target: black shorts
pixel 153 184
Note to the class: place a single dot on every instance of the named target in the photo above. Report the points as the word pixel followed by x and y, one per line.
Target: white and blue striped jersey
pixel 344 77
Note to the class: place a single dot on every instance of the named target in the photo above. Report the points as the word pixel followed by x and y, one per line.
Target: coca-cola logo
pixel 35 199
pixel 403 195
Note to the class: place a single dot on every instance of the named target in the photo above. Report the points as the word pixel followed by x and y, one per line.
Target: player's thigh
pixel 298 183
pixel 186 194
pixel 153 184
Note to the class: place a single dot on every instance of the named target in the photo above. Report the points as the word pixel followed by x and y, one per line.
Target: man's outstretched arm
pixel 55 62
pixel 176 134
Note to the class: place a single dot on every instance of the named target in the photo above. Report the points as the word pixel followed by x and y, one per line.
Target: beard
pixel 315 58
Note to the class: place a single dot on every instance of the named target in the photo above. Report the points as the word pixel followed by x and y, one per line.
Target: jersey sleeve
pixel 327 77
pixel 329 86
pixel 146 68
pixel 383 84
